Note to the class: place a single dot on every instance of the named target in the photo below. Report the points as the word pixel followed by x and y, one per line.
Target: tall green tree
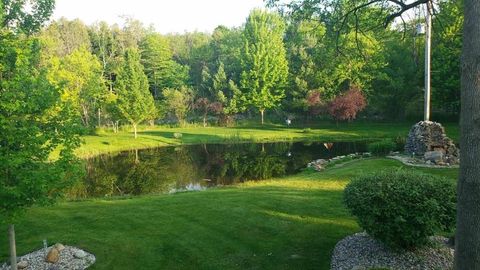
pixel 162 71
pixel 79 75
pixel 264 62
pixel 178 102
pixel 63 37
pixel 32 124
pixel 106 46
pixel 25 16
pixel 134 100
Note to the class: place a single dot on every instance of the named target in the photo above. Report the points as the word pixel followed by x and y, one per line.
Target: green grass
pixel 108 142
pixel 285 223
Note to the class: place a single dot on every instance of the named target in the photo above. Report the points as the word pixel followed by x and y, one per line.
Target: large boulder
pixel 428 136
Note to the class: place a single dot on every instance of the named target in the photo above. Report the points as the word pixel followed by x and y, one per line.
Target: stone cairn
pixel 427 139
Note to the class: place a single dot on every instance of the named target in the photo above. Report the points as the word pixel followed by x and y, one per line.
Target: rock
pixel 321 161
pixel 79 254
pixel 428 136
pixel 53 256
pixel 59 247
pixel 22 264
pixel 434 156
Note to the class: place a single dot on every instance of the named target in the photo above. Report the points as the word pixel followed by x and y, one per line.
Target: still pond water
pixel 196 167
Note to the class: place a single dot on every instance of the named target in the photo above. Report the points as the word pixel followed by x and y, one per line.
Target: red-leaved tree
pixel 314 103
pixel 347 105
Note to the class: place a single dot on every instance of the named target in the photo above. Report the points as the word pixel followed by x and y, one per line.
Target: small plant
pixel 382 148
pixel 307 130
pixel 402 208
pixel 400 141
pixel 177 135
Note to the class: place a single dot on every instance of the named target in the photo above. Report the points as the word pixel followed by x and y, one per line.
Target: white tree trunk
pixel 467 239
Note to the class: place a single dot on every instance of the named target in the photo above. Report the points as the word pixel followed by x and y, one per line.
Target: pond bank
pixel 107 142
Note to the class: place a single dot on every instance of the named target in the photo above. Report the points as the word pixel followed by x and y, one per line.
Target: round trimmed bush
pixel 402 208
pixel 381 148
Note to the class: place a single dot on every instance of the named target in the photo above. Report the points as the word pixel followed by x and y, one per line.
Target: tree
pixel 134 100
pixel 25 16
pixel 347 105
pixel 205 106
pixel 314 102
pixel 79 75
pixel 33 124
pixel 63 37
pixel 162 71
pixel 105 45
pixel 467 239
pixel 178 101
pixel 264 62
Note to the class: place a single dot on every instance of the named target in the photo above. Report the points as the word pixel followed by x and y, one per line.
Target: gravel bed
pixel 67 261
pixel 362 252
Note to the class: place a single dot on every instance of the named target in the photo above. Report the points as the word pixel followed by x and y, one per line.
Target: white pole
pixel 428 38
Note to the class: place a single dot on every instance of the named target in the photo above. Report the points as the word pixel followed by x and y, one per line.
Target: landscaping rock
pixel 79 254
pixel 434 156
pixel 22 264
pixel 59 247
pixel 67 260
pixel 53 255
pixel 360 251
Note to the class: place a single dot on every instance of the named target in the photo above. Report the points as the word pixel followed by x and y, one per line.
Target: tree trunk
pixel 261 113
pixel 205 119
pixel 99 118
pixel 135 130
pixel 13 248
pixel 467 239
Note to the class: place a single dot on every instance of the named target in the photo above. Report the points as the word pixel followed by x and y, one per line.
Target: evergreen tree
pixel 134 100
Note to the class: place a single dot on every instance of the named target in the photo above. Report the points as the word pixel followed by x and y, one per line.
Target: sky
pixel 167 16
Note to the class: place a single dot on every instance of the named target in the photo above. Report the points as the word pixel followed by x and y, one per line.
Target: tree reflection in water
pixel 161 170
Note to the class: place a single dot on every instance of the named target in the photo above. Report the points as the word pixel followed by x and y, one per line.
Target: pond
pixel 196 167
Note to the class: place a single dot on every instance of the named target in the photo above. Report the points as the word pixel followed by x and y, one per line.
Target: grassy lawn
pixel 107 142
pixel 286 223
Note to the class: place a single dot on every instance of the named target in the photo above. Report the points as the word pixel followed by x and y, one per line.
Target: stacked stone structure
pixel 427 139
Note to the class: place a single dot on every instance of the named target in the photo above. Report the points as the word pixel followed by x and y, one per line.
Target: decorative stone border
pixel 70 258
pixel 360 251
pixel 418 163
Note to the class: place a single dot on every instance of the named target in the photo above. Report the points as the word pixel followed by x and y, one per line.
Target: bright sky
pixel 166 15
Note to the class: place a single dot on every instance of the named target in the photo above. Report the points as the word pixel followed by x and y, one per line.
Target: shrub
pixel 307 130
pixel 381 148
pixel 401 208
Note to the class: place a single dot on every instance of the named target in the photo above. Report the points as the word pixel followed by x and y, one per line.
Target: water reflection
pixel 195 167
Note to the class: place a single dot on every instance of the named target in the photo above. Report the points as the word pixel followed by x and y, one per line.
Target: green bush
pixel 381 148
pixel 402 208
pixel 307 130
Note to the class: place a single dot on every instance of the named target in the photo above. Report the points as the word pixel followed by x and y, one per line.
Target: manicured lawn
pixel 104 142
pixel 286 223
